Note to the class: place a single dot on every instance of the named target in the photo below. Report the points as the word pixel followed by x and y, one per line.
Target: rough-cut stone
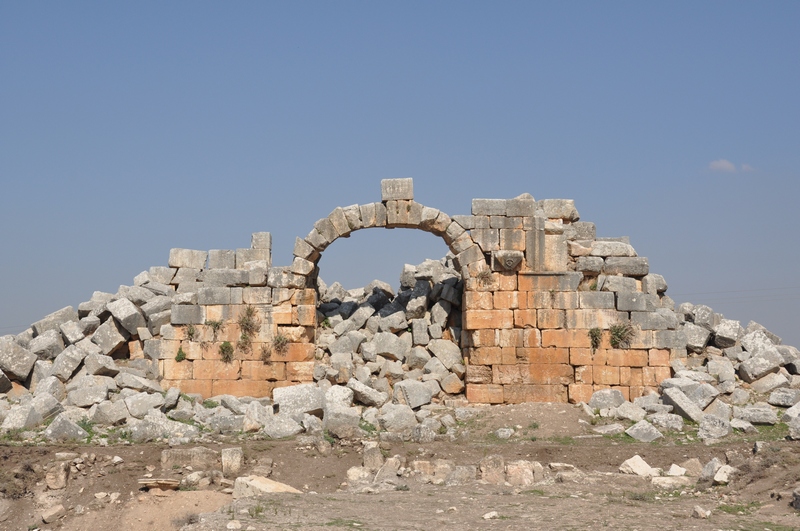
pixel 299 399
pixel 643 431
pixel 713 427
pixel 412 393
pixel 682 405
pixel 447 352
pixel 367 395
pixel 767 361
pixel 606 399
pixel 637 466
pixel 110 336
pixel 397 418
pixel 54 320
pixel 63 429
pixel 16 362
pixel 47 345
pixel 280 426
pixel 127 314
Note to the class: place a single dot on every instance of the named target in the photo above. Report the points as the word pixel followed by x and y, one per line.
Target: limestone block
pixel 616 284
pixel 222 259
pixel 756 341
pixel 63 429
pixel 187 258
pixel 47 345
pixel 488 239
pixel 563 209
pixel 761 365
pixel 589 264
pixel 631 301
pixel 627 266
pixel 141 403
pixel 245 256
pixel 523 205
pixel 489 207
pixel 54 320
pixel 184 314
pixel 127 314
pixel 73 331
pixel 682 405
pixel 506 260
pixel 157 304
pixel 397 189
pixel 643 431
pixel 67 362
pixel 225 277
pixel 611 248
pixel 110 336
pixel 556 256
pixel 87 396
pixel 696 337
pixel 446 351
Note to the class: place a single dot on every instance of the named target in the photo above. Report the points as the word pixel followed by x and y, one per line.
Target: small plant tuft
pixel 484 277
pixel 191 332
pixel 226 352
pixel 621 334
pixel 216 327
pixel 596 337
pixel 280 343
pixel 326 323
pixel 210 404
pixel 181 355
pixel 593 285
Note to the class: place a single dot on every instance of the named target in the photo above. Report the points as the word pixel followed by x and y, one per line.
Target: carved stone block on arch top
pixel 397 189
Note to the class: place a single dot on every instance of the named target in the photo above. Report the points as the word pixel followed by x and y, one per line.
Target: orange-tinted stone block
pixel 282 314
pixel 545 355
pixel 483 338
pixel 627 358
pixel 636 391
pixel 300 371
pixel 550 319
pixel 478 300
pixel 580 393
pixel 605 375
pixel 583 374
pixel 294 352
pixel 304 297
pixel 507 281
pixel 254 388
pixel 176 370
pixel 636 377
pixel 516 394
pixel 537 282
pixel 306 315
pixel 135 350
pixel 531 337
pixel 555 338
pixel 216 370
pixel 551 373
pixel 509 355
pixel 511 338
pixel 625 376
pixel 600 357
pixel 540 299
pixel 525 318
pixel 658 358
pixel 509 374
pixel 580 356
pixel 486 356
pixel 258 370
pixel 506 300
pixel 477 319
pixel 478 374
pixel 485 393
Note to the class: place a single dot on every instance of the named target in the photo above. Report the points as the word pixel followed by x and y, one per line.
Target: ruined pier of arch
pixel 536 286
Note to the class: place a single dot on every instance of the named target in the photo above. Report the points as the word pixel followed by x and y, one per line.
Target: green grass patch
pixel 739 508
pixel 342 522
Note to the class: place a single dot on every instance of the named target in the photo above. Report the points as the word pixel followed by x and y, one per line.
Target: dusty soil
pixel 105 495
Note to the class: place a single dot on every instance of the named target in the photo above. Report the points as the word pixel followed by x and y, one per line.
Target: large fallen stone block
pixel 682 405
pixel 141 403
pixel 251 486
pixel 100 364
pixel 110 413
pixel 65 365
pixel 413 393
pixel 63 429
pixel 54 320
pixel 22 417
pixel 397 418
pixel 713 427
pixel 448 352
pixel 299 399
pixel 280 426
pixel 110 336
pixel 127 314
pixel 367 395
pixel 157 426
pixel 390 346
pixel 16 362
pixel 48 345
pixel 768 360
pixel 643 431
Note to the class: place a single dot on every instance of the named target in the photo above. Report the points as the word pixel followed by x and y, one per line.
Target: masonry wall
pixel 536 282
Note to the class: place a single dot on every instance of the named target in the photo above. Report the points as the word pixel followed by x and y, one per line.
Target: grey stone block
pixel 16 362
pixel 756 414
pixel 98 364
pixel 589 264
pixel 607 248
pixel 46 405
pixel 489 207
pixel 704 316
pixel 522 205
pixel 54 320
pixel 713 427
pixel 649 321
pixel 606 399
pixel 761 365
pixel 141 403
pixel 53 386
pixel 47 345
pixel 221 259
pixel 681 404
pixel 300 399
pixel 110 336
pixel 261 240
pixel 67 363
pixel 769 382
pixel 87 396
pixel 62 429
pixel 631 301
pixel 696 337
pixel 366 395
pixel 702 395
pixel 73 331
pixel 559 209
pixel 21 417
pixel 225 277
pixel 756 341
pixel 136 294
pixel 624 265
pixel 184 314
pixel 126 380
pixel 187 258
pixel 244 256
pixel 156 321
pixel 446 351
pixel 397 189
pixel 160 289
pixel 161 275
pixel 110 413
pixel 157 304
pixel 654 284
pixel 412 393
pixel 127 315
pixel 727 333
pixel 390 346
pixel 643 431
pixel 5 383
pixel 784 397
pixel 396 418
pixel 617 284
pixel 186 275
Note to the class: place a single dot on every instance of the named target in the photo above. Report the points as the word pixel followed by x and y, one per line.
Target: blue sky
pixel 128 129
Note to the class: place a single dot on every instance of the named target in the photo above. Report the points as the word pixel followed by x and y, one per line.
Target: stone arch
pixel 389 214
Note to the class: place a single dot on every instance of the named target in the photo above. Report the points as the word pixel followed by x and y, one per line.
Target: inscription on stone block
pixel 397 189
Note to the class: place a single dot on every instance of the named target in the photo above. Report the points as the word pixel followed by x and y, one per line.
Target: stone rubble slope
pixel 385 362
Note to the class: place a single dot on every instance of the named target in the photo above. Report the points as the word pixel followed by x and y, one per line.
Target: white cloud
pixel 722 165
pixel 747 168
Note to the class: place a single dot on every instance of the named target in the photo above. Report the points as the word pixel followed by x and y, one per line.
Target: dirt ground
pixel 106 493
